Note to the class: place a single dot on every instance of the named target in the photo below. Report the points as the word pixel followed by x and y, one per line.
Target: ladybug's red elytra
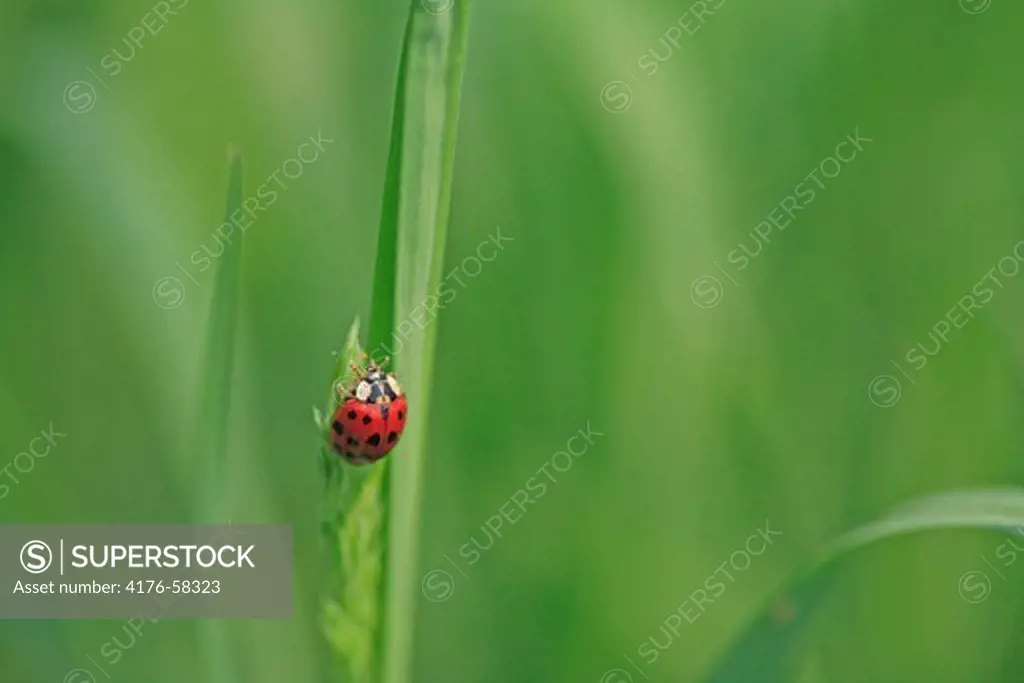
pixel 371 417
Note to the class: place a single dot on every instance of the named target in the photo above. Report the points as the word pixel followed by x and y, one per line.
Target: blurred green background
pixel 620 187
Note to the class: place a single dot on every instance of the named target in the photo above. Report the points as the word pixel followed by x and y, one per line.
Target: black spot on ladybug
pixel 351 414
pixel 352 442
pixel 367 420
pixel 401 414
pixel 392 437
pixel 338 427
pixel 373 440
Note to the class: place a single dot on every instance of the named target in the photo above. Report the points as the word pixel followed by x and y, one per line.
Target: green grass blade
pixel 434 61
pixel 212 420
pixel 215 393
pixel 382 321
pixel 768 649
pixel 354 540
pixel 371 518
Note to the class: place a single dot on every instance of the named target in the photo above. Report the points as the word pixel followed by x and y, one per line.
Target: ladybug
pixel 371 417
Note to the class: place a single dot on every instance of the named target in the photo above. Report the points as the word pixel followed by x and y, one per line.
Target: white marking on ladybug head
pixel 393 383
pixel 363 390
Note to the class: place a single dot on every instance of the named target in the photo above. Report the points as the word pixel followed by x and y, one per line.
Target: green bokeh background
pixel 714 419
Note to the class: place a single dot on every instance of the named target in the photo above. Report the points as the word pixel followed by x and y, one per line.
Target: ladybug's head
pixel 377 386
pixel 374 373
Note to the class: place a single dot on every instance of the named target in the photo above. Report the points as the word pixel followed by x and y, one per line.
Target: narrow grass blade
pixel 768 649
pixel 371 519
pixel 353 540
pixel 215 402
pixel 382 320
pixel 429 95
pixel 212 421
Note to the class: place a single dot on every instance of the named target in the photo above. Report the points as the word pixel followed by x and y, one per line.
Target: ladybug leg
pixel 343 390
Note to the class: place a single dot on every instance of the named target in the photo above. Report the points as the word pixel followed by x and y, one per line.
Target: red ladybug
pixel 371 417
